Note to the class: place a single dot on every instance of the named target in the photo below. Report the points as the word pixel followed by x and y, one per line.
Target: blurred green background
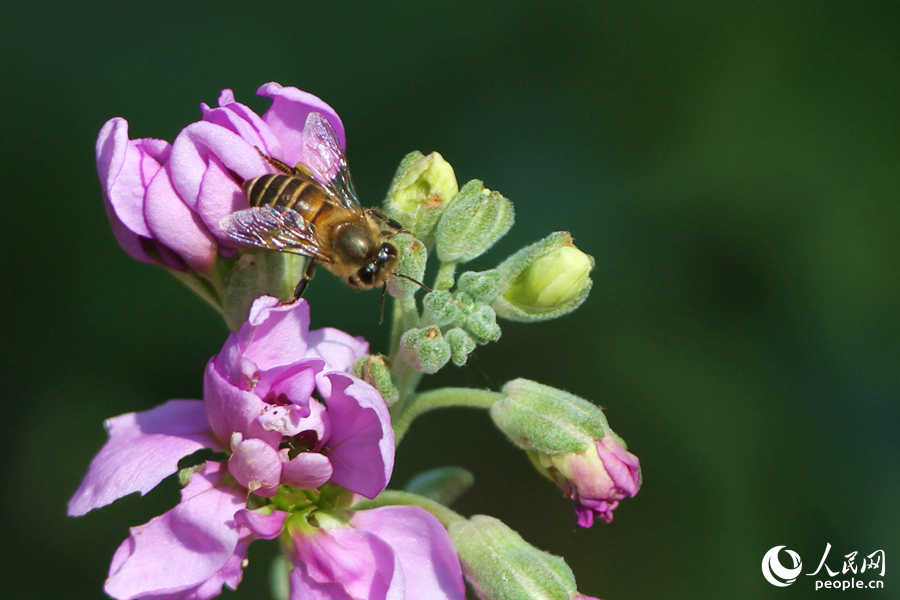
pixel 733 167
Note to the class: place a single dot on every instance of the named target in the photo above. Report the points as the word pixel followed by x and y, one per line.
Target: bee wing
pixel 275 228
pixel 323 154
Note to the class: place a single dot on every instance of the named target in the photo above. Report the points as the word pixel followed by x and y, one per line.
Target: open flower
pixel 258 408
pixel 165 201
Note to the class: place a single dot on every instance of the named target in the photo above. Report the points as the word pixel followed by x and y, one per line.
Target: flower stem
pixel 438 399
pixel 394 498
pixel 445 276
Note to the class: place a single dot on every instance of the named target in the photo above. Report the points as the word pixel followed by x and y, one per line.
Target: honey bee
pixel 312 210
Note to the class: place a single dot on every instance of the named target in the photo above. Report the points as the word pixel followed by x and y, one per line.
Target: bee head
pixel 375 271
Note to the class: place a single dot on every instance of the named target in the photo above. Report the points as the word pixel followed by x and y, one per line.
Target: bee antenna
pixel 415 281
pixel 381 308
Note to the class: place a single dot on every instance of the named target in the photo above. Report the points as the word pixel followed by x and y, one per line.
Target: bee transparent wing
pixel 323 154
pixel 275 228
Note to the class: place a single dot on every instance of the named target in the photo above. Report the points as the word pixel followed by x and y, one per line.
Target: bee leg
pixel 381 308
pixel 387 221
pixel 277 164
pixel 307 275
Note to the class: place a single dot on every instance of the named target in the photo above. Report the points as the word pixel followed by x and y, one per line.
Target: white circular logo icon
pixel 775 573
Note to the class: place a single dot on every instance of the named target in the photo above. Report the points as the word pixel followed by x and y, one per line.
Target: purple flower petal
pixel 275 334
pixel 307 471
pixel 239 119
pixel 361 563
pixel 339 350
pixel 124 188
pixel 255 464
pixel 143 449
pixel 263 525
pixel 175 225
pixel 191 154
pixel 426 553
pixel 361 445
pixel 181 550
pixel 293 383
pixel 231 409
pixel 287 117
pixel 219 196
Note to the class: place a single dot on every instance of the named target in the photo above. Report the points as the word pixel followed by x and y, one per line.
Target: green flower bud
pixel 425 349
pixel 483 287
pixel 500 565
pixel 461 345
pixel 375 370
pixel 442 485
pixel 420 191
pixel 542 418
pixel 545 280
pixel 413 257
pixel 472 223
pixel 570 443
pixel 440 308
pixel 482 324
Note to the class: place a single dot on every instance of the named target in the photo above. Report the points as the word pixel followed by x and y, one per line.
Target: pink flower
pixel 258 408
pixel 596 478
pixel 165 201
pixel 389 552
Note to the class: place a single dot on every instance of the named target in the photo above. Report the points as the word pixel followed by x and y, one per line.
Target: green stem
pixel 394 498
pixel 445 276
pixel 440 398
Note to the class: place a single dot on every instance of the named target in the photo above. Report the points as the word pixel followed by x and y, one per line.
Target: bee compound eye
pixel 366 275
pixel 386 253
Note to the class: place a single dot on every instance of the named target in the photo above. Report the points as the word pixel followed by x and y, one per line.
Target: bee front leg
pixel 307 275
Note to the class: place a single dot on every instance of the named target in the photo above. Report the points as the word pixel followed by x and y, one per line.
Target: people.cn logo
pixel 775 573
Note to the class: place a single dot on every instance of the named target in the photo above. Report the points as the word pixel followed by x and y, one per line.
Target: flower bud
pixel 500 565
pixel 425 349
pixel 483 286
pixel 482 324
pixel 440 308
pixel 375 370
pixel 545 280
pixel 569 441
pixel 420 191
pixel 461 345
pixel 472 223
pixel 413 257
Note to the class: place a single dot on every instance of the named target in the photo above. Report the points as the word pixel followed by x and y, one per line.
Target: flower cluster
pixel 283 444
pixel 295 436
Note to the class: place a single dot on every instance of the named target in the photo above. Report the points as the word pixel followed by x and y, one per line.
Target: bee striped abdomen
pixel 287 191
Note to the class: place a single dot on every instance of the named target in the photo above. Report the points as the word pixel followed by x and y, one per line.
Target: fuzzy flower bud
pixel 472 223
pixel 545 280
pixel 375 370
pixel 420 191
pixel 425 349
pixel 569 441
pixel 500 565
pixel 413 257
pixel 461 345
pixel 483 286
